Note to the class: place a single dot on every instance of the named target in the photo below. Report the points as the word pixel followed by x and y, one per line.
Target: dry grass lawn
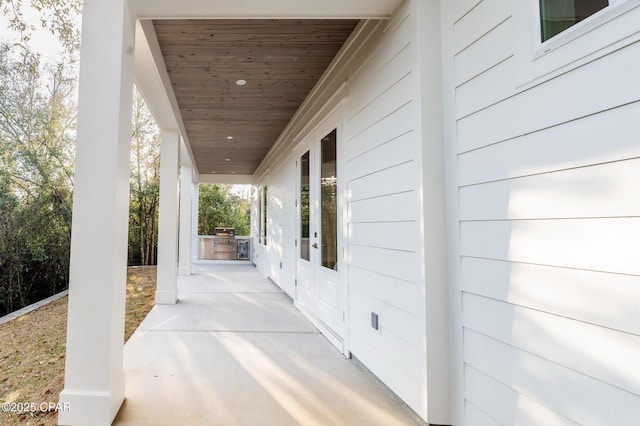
pixel 32 349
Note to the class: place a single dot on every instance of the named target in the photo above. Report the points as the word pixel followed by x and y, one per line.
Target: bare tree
pixel 144 185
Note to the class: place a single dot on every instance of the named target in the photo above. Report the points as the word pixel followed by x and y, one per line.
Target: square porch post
pixel 166 291
pixel 94 377
pixel 184 250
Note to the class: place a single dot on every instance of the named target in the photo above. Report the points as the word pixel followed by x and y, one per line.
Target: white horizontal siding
pixel 384 80
pixel 592 297
pixel 579 397
pixel 478 21
pixel 382 150
pixel 586 348
pixel 485 394
pixel 380 180
pixel 607 245
pixel 605 190
pixel 568 97
pixel 390 100
pixel 385 235
pixel 390 290
pixel 277 259
pixel 474 416
pixel 391 320
pixel 462 7
pixel 402 265
pixel 379 67
pixel 369 348
pixel 398 207
pixel 549 217
pixel 488 88
pixel 388 154
pixel 491 49
pixel 394 180
pixel 608 136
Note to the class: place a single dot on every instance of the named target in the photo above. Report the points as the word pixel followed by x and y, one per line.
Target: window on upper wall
pixel 559 15
pixel 556 36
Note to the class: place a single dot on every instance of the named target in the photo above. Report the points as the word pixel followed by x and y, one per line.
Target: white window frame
pixel 605 31
pixel 258 222
pixel 264 218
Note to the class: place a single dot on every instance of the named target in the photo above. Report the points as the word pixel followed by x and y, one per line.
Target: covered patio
pixel 317 105
pixel 235 351
pixel 433 184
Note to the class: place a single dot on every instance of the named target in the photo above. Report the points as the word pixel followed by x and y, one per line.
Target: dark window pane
pixel 260 215
pixel 264 216
pixel 329 201
pixel 558 15
pixel 304 206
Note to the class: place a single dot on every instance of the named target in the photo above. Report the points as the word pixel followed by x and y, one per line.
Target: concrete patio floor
pixel 235 351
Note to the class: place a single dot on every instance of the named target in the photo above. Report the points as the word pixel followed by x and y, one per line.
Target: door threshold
pixel 324 329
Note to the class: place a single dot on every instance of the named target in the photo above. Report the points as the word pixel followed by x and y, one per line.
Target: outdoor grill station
pixel 224 245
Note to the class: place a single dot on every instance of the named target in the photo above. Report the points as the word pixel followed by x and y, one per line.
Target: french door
pixel 320 289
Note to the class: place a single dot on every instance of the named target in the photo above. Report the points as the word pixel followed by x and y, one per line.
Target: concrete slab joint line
pixel 235 351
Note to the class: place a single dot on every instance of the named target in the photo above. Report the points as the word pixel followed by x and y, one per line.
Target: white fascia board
pixel 152 80
pixel 226 179
pixel 271 9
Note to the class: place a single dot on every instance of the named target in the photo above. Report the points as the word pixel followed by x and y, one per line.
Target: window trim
pixel 590 39
pixel 303 202
pixel 322 215
pixel 601 17
pixel 259 221
pixel 335 121
pixel 265 203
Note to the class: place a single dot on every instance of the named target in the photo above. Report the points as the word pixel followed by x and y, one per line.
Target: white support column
pixel 195 205
pixel 94 376
pixel 433 250
pixel 166 291
pixel 184 250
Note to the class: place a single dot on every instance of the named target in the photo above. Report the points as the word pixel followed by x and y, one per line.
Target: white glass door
pixel 327 270
pixel 306 242
pixel 319 284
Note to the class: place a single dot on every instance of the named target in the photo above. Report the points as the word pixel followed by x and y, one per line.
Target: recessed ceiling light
pixel 227 159
pixel 233 173
pixel 229 137
pixel 213 172
pixel 241 82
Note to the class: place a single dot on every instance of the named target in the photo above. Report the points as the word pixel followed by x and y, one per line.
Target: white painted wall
pixel 547 160
pixel 383 147
pixel 388 136
pixel 277 258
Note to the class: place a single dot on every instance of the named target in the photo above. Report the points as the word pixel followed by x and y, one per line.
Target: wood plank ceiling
pixel 280 60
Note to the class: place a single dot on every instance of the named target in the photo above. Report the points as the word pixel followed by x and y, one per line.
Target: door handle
pixel 315 245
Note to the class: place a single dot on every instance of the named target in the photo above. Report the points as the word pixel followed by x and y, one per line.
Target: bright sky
pixel 42 41
pixel 243 191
